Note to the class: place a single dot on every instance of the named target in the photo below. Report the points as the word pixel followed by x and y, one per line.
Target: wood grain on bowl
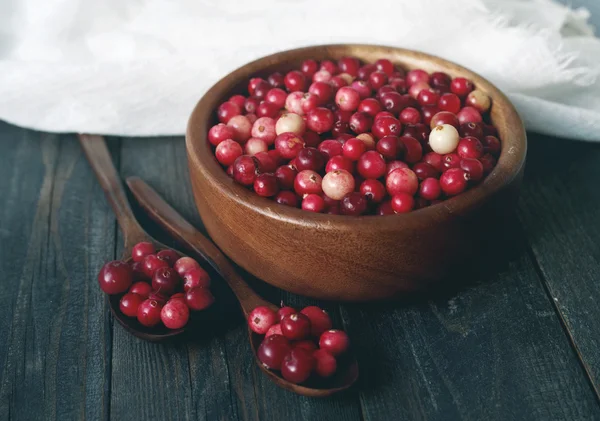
pixel 351 258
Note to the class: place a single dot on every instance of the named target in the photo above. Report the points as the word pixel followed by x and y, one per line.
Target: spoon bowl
pixel 181 230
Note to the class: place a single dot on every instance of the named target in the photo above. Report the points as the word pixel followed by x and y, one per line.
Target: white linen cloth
pixel 138 67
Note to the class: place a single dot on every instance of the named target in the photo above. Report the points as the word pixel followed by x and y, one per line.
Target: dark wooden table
pixel 516 340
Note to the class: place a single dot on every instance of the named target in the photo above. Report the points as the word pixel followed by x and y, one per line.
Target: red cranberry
pixel 285 311
pixel 353 204
pixel 287 198
pixel 175 314
pixel 347 99
pixel 391 166
pixel 386 126
pixel 343 116
pixel 274 330
pixel 349 65
pixel 309 102
pixel 430 189
pixel 227 110
pixel 295 326
pixel 228 151
pixel 428 112
pixel 322 90
pixel 266 185
pixel 337 82
pixel 419 132
pixel 413 151
pixel 148 313
pixel 273 350
pixel 184 265
pixel 331 148
pixel 309 67
pixel 238 99
pixel 417 75
pixel 199 298
pixel 195 278
pixel 250 104
pixel 253 83
pixel 416 88
pixel 353 149
pixel 159 297
pixel 319 320
pixel 385 66
pixel 469 147
pixel 444 117
pixel 478 100
pixel 311 139
pixel 450 103
pixel 340 128
pixel 129 304
pixel 339 163
pixel 276 80
pixel 307 182
pixel 363 88
pixel 488 162
pixel 141 250
pixel 286 176
pixel 377 79
pixel 297 365
pixel 170 256
pixel 390 147
pixel 267 109
pixel 141 288
pixel 152 263
pixel 424 170
pixel 288 145
pixel 293 102
pixel 364 71
pixel 435 160
pixel 451 160
pixel 385 209
pixel 361 122
pixel 178 296
pixel 344 137
pixel 384 90
pixel 276 97
pixel 473 167
pixel 165 280
pixel 322 76
pixel 334 341
pixel 383 114
pixel 337 184
pixel 461 86
pixel 370 106
pixel 305 344
pixel 491 145
pixel 402 180
pixel 267 162
pixel 402 203
pixel 295 81
pixel 313 203
pixel 410 115
pixel 261 319
pixel 454 181
pixel 469 115
pixel 241 126
pixel 373 190
pixel 325 363
pixel 398 84
pixel 471 129
pixel 394 102
pixel 319 120
pixel 371 165
pixel 219 133
pixel 329 66
pixel 428 97
pixel 245 169
pixel 439 79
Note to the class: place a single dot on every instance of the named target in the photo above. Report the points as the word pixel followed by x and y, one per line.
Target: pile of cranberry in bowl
pixel 357 139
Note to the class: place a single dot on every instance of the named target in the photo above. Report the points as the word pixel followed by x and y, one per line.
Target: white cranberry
pixel 479 100
pixel 368 140
pixel 255 145
pixel 347 78
pixel 290 123
pixel 443 139
pixel 337 184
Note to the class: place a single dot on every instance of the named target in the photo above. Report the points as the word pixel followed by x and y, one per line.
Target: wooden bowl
pixel 341 257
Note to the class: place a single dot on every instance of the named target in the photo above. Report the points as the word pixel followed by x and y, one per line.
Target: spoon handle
pixel 101 162
pixel 180 229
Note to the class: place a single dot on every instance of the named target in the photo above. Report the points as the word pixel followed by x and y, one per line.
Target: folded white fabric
pixel 138 67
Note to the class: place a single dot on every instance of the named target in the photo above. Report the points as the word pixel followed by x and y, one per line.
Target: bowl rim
pixel 509 165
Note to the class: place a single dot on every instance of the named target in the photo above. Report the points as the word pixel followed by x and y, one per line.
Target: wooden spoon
pixel 186 234
pixel 99 158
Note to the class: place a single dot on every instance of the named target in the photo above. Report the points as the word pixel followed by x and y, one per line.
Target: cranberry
pixel 418 131
pixel 285 177
pixel 253 146
pixel 148 313
pixel 489 130
pixel 195 278
pixel 199 298
pixel 353 204
pixel 450 103
pixel 398 84
pixel 384 90
pixel 337 82
pixel 443 139
pixel 337 184
pixel 461 86
pixel 185 265
pixel 307 182
pixel 410 115
pixel 295 81
pixel 267 162
pixel 285 311
pixel 297 365
pixel 165 280
pixel 295 326
pixel 371 165
pixel 175 314
pixel 491 145
pixel 313 203
pixel 451 160
pixel 444 117
pixel 402 180
pixel 373 190
pixel 349 65
pixel 393 102
pixel 141 288
pixel 322 76
pixel 311 139
pixel 370 106
pixel 325 363
pixel 383 114
pixel 253 83
pixel 391 166
pixel 365 70
pixel 276 97
pixel 250 105
pixel 454 181
pixel 245 169
pixel 309 67
pixel 305 344
pixel 293 102
pixel 440 79
pixel 417 75
pixel 344 137
pixel 309 102
pixel 319 320
pixel 170 256
pixel 141 250
pixel 261 319
pixel 424 170
pixel 129 304
pixel 361 122
pixel 158 296
pixel 264 129
pixel 385 209
pixel 219 133
pixel 322 90
pixel 266 185
pixel 227 110
pixel 386 126
pixel 276 80
pixel 287 198
pixel 469 147
pixel 342 116
pixel 363 88
pixel 334 341
pixel 413 151
pixel 340 128
pixel 390 147
pixel 241 127
pixel 428 97
pixel 469 115
pixel 290 123
pixel 319 120
pixel 435 160
pixel 402 203
pixel 353 149
pixel 428 111
pixel 178 296
pixel 473 167
pixel 488 162
pixel 334 209
pixel 347 99
pixel 478 100
pixel 238 99
pixel 274 330
pixel 416 89
pixel 273 350
pixel 228 151
pixel 377 79
pixel 430 189
pixel 152 263
pixel 339 163
pixel 471 129
pixel 329 66
pixel 288 145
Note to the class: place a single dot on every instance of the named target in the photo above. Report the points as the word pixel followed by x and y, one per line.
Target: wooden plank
pixel 559 208
pixel 492 351
pixel 224 381
pixel 55 333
